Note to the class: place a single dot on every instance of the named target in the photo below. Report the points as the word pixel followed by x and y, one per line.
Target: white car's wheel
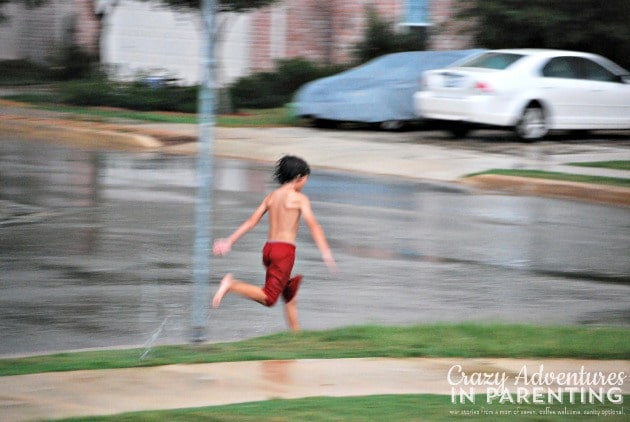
pixel 533 124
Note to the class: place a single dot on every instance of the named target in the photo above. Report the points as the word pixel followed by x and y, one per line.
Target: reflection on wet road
pixel 96 250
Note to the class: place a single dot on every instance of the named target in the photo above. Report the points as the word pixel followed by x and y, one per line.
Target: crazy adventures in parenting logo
pixel 537 386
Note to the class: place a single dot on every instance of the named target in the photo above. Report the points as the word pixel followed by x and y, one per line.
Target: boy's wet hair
pixel 290 167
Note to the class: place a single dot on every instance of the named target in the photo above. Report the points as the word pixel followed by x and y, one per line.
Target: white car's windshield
pixel 498 61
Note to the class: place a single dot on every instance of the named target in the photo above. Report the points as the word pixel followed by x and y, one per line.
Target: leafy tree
pixel 585 25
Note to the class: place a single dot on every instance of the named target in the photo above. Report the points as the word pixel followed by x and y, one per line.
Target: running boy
pixel 285 206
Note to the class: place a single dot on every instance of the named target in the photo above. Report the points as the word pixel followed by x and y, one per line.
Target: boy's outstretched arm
pixel 318 234
pixel 223 246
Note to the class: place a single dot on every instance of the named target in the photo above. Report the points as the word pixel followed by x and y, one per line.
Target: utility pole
pixel 205 151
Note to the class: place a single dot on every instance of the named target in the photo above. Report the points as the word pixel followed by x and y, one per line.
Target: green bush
pixel 23 72
pixel 99 91
pixel 68 63
pixel 86 86
pixel 85 92
pixel 276 88
pixel 72 62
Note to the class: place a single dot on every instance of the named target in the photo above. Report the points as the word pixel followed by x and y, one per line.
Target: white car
pixel 532 91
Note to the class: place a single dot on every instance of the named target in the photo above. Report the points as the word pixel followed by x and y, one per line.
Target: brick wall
pixel 445 31
pixel 87 26
pixel 319 30
pixel 349 24
pixel 326 31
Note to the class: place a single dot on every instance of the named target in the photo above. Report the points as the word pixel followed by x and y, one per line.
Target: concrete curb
pixel 551 188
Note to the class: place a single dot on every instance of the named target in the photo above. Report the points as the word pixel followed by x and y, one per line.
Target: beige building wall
pixel 141 39
pixel 147 39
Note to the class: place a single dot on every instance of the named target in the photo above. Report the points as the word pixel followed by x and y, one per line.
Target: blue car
pixel 379 91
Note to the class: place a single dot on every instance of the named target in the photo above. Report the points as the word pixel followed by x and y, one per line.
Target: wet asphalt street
pixel 96 251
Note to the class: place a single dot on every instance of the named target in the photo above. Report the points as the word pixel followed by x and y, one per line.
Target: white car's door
pixel 566 95
pixel 610 104
pixel 610 97
pixel 619 94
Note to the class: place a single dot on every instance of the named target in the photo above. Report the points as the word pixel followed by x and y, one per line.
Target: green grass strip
pixel 550 175
pixel 613 165
pixel 107 113
pixel 440 340
pixel 422 407
pixel 272 117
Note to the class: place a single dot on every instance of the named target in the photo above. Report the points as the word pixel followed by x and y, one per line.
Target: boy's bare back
pixel 284 206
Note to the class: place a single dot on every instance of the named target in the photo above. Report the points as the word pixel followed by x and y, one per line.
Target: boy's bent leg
pixel 230 285
pixel 291 312
pixel 224 287
pixel 290 297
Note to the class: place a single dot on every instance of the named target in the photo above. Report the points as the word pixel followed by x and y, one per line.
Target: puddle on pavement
pixel 96 250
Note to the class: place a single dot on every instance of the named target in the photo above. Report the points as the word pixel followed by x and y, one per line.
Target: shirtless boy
pixel 285 205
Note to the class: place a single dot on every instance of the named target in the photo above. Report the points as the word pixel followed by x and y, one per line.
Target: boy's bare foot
pixel 224 287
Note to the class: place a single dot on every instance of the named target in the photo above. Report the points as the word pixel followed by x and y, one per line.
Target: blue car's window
pixel 498 61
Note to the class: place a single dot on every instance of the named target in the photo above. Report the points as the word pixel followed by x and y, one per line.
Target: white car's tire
pixel 533 124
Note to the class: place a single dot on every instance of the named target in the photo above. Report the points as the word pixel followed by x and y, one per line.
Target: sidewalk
pixel 109 392
pixel 381 153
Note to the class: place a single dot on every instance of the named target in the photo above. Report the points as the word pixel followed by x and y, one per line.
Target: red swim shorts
pixel 278 258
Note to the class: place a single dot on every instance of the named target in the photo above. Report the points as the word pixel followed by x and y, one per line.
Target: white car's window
pixel 577 68
pixel 560 67
pixel 594 71
pixel 498 61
